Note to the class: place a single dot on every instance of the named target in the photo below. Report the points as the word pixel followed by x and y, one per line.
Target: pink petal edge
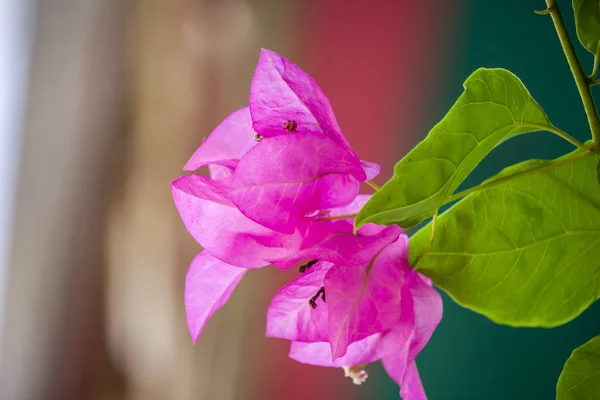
pixel 227 143
pixel 208 286
pixel 371 169
pixel 411 387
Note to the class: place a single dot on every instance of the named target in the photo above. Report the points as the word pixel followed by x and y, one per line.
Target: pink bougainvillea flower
pixel 283 178
pixel 382 310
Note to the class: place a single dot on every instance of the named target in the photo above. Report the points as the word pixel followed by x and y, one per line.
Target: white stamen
pixel 357 373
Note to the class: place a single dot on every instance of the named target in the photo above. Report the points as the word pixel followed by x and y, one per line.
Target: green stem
pixel 370 183
pixel 336 217
pixel 580 78
pixel 373 185
pixel 549 165
pixel 558 132
pixel 592 76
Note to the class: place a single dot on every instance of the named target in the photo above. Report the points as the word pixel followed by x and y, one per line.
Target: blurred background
pixel 103 101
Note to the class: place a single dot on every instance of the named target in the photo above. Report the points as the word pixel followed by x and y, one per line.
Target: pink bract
pixel 365 299
pixel 208 286
pixel 281 91
pixel 213 220
pixel 285 178
pixel 290 317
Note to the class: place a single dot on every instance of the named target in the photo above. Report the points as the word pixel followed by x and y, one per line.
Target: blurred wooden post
pixel 192 65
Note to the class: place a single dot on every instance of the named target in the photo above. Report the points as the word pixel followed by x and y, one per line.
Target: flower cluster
pixel 283 182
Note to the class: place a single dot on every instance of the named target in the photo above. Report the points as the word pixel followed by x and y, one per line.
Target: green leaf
pixel 525 252
pixel 587 22
pixel 494 107
pixel 580 377
pixel 598 171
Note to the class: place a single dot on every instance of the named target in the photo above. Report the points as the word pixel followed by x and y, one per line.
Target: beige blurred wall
pixel 193 62
pixel 54 320
pixel 121 92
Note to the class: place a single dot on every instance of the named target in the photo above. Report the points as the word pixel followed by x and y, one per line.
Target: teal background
pixel 469 357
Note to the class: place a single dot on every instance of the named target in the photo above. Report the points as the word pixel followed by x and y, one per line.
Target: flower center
pixel 257 137
pixel 357 373
pixel 313 300
pixel 290 125
pixel 306 266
